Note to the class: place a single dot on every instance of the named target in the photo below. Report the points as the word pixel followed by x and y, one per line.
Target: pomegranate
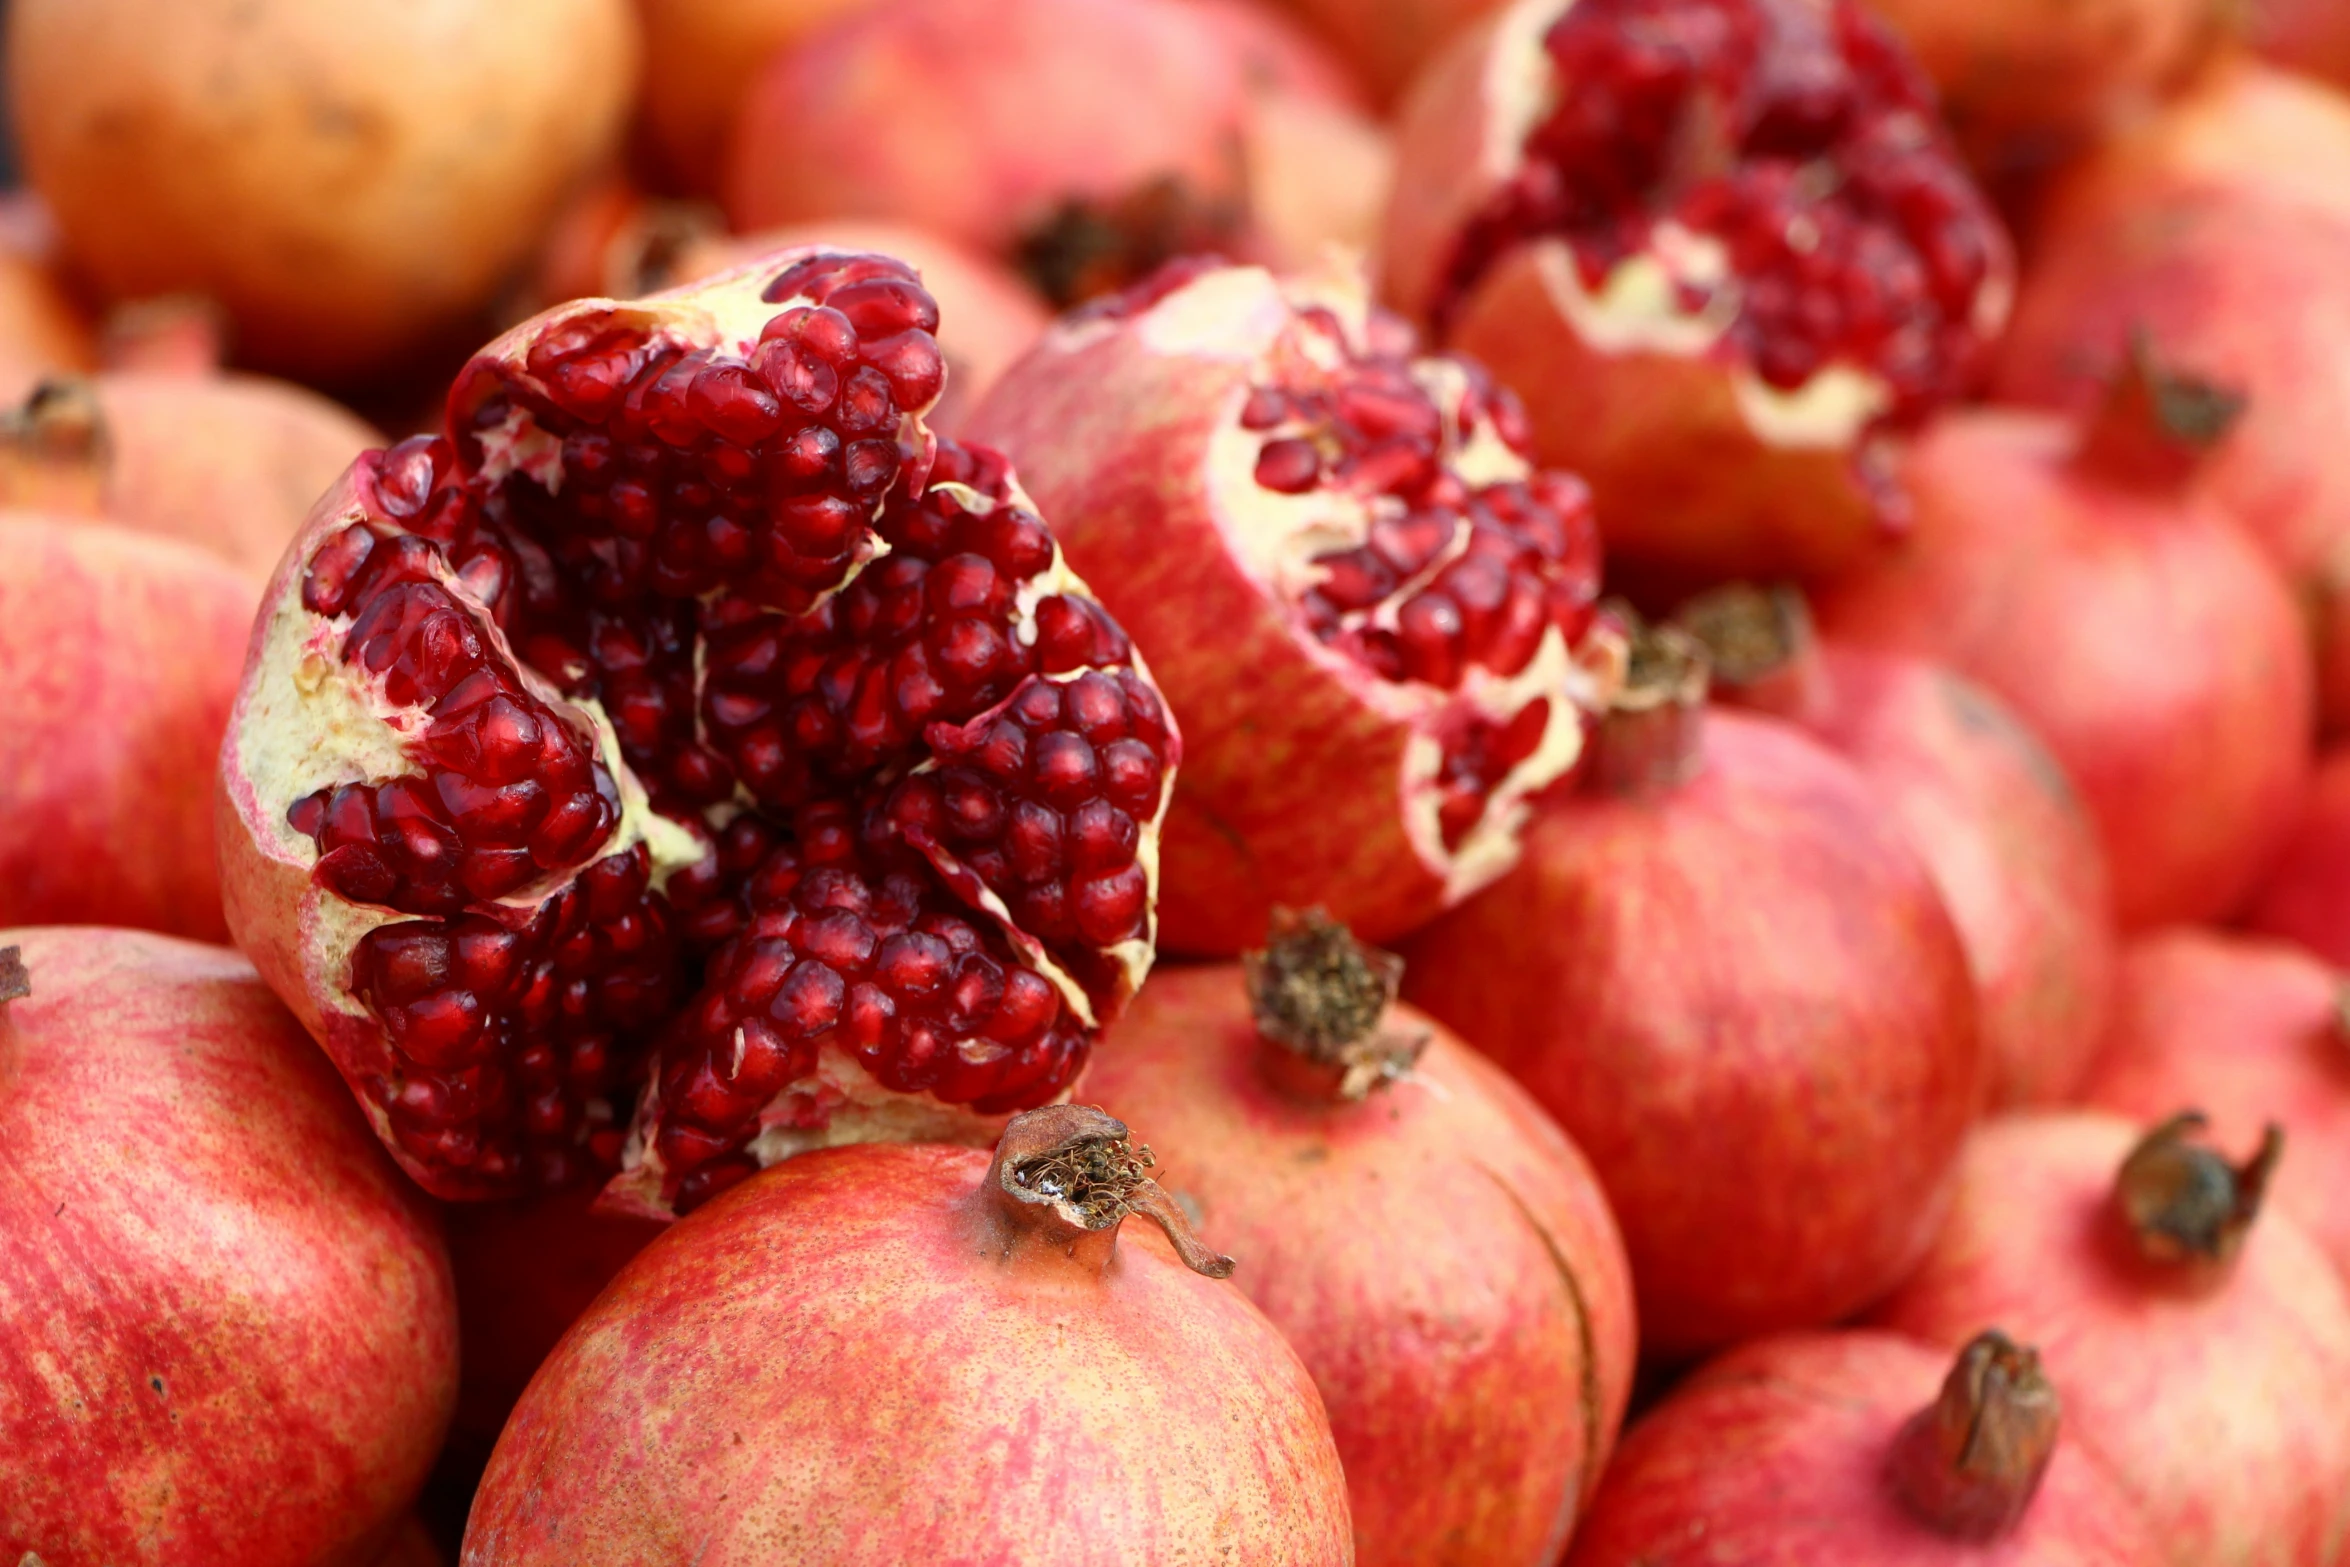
pixel 2221 228
pixel 42 330
pixel 917 1354
pixel 988 317
pixel 2011 847
pixel 1721 247
pixel 688 692
pixel 1085 141
pixel 2249 1030
pixel 2048 559
pixel 122 655
pixel 1727 973
pixel 701 57
pixel 351 182
pixel 230 463
pixel 227 1336
pixel 2184 1341
pixel 2306 894
pixel 525 1271
pixel 1374 1175
pixel 2308 35
pixel 1369 608
pixel 615 240
pixel 1836 1450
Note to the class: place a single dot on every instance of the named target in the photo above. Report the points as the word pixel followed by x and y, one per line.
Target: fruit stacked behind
pixel 1708 641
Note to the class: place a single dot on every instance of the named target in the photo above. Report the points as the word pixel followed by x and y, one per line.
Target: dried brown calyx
pixel 1326 997
pixel 55 451
pixel 1649 740
pixel 15 983
pixel 2183 1202
pixel 1969 1463
pixel 2157 422
pixel 1760 645
pixel 1069 1175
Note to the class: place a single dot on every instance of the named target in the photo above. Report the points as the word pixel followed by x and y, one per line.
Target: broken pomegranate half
pixel 688 716
pixel 1723 248
pixel 1370 608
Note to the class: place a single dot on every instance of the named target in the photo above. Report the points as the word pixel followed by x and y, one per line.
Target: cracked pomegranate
pixel 1836 1450
pixel 2083 575
pixel 1375 1176
pixel 1772 1083
pixel 2306 895
pixel 2184 1338
pixel 917 1354
pixel 2250 1030
pixel 230 463
pixel 1721 247
pixel 227 1336
pixel 690 701
pixel 350 181
pixel 2222 229
pixel 1366 603
pixel 2010 844
pixel 121 655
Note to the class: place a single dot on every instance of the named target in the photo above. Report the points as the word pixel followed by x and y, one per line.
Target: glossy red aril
pixel 1772 1087
pixel 1837 1450
pixel 2184 1338
pixel 2305 896
pixel 689 698
pixel 2010 844
pixel 1367 605
pixel 2082 574
pixel 914 1354
pixel 227 1335
pixel 1374 1176
pixel 1721 247
pixel 2250 1030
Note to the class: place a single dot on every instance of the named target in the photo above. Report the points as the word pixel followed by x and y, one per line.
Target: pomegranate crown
pixel 2182 1202
pixel 1320 993
pixel 1969 1463
pixel 1068 1172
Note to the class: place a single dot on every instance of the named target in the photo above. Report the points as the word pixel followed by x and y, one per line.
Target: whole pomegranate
pixel 121 653
pixel 689 698
pixel 1370 609
pixel 227 1336
pixel 525 1270
pixel 2010 845
pixel 2222 229
pixel 2249 1030
pixel 231 463
pixel 1725 971
pixel 1084 141
pixel 1374 1176
pixel 350 181
pixel 1836 1450
pixel 701 57
pixel 2048 558
pixel 1721 247
pixel 2306 895
pixel 2185 1341
pixel 919 1354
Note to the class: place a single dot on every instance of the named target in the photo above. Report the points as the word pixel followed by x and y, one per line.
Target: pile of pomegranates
pixel 1422 783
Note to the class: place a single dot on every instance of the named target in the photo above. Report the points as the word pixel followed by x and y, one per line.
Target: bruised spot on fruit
pixel 1317 991
pixel 2184 1203
pixel 1970 1463
pixel 1072 1171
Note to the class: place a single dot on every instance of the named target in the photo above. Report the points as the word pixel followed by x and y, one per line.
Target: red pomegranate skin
pixel 121 654
pixel 227 1331
pixel 2011 847
pixel 1745 1002
pixel 1437 1253
pixel 525 1270
pixel 2306 894
pixel 828 1365
pixel 2047 579
pixel 2194 1392
pixel 1776 1453
pixel 2249 1031
pixel 2308 35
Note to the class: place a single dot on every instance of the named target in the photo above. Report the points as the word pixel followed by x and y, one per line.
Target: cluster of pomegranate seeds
pixel 839 651
pixel 1796 134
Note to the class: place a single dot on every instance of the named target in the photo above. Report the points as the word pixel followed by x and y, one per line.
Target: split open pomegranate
pixel 689 699
pixel 1722 248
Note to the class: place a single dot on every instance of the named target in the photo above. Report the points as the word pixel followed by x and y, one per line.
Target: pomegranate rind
pixel 1308 780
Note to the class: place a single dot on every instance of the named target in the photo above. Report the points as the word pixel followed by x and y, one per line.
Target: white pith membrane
pixel 315 720
pixel 1244 316
pixel 1679 297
